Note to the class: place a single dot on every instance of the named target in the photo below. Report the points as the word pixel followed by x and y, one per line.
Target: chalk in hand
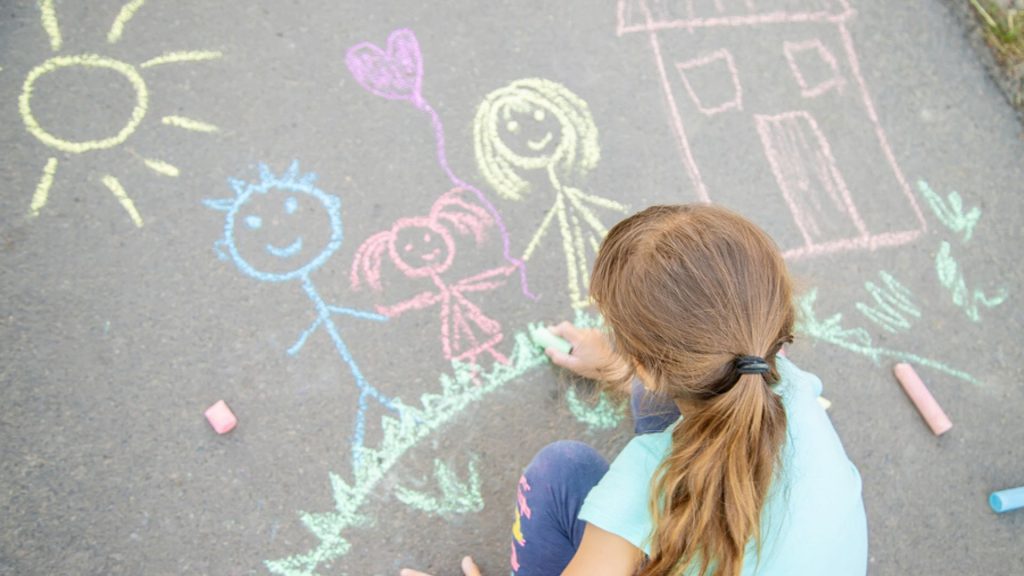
pixel 922 399
pixel 1006 500
pixel 221 417
pixel 543 337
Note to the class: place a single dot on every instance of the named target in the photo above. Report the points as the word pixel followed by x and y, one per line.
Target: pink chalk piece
pixel 221 417
pixel 922 399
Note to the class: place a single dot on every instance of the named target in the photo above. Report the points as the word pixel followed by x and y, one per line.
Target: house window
pixel 814 68
pixel 712 82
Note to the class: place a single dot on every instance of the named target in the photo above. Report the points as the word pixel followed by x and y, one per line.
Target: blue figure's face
pixel 283 232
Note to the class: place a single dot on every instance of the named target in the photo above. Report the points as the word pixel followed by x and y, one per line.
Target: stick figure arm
pixel 364 314
pixel 302 338
pixel 417 302
pixel 483 281
pixel 596 200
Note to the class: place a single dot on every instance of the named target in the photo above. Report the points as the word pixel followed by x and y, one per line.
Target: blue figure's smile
pixel 288 251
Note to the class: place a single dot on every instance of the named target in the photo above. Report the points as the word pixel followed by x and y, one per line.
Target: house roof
pixel 648 15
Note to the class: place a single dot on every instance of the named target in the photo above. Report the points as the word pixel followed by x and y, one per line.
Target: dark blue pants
pixel 547 531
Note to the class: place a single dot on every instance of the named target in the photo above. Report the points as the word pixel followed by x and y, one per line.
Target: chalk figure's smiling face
pixel 281 231
pixel 423 248
pixel 529 129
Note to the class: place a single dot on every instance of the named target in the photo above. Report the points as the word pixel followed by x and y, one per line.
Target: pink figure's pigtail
pixel 367 261
pixel 466 218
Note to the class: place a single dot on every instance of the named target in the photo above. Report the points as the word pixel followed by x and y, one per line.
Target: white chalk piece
pixel 825 403
pixel 545 339
pixel 221 417
pixel 922 399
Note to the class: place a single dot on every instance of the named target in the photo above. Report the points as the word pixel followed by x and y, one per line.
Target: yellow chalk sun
pixel 131 73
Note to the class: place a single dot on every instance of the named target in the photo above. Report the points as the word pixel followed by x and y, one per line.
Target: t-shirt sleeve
pixel 619 503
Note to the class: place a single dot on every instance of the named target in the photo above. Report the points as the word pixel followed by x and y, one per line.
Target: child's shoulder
pixel 794 381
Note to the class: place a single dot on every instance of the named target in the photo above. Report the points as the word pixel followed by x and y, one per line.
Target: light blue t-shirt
pixel 813 521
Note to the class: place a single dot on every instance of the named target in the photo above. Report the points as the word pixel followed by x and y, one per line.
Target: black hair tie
pixel 752 365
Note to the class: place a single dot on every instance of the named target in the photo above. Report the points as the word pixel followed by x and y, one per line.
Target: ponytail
pixel 687 291
pixel 714 482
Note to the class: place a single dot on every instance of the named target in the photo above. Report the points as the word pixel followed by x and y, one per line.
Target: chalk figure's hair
pixel 577 153
pixel 687 290
pixel 454 209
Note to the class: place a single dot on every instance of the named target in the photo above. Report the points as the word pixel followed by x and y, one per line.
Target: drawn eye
pixel 408 247
pixel 254 222
pixel 512 126
pixel 291 205
pixel 538 115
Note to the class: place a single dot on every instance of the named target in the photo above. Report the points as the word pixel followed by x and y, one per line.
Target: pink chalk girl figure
pixel 424 248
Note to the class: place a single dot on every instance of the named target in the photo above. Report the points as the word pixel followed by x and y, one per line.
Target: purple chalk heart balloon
pixel 395 74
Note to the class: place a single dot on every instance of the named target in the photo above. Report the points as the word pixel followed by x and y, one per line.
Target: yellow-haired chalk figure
pixel 537 125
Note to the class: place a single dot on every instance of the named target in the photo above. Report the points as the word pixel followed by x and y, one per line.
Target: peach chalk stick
pixel 922 399
pixel 221 417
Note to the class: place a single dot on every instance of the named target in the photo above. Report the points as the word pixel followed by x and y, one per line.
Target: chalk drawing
pixel 188 124
pixel 953 279
pixel 397 74
pixel 48 15
pixel 795 145
pixel 126 14
pixel 535 124
pixel 43 188
pixel 295 261
pixel 84 61
pixel 892 306
pixel 707 61
pixel 858 340
pixel 457 496
pixel 88 61
pixel 834 82
pixel 459 390
pixel 183 56
pixel 161 167
pixel 117 190
pixel 605 413
pixel 950 211
pixel 424 248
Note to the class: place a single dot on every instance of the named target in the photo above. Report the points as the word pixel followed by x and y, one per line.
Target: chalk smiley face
pixel 421 247
pixel 255 222
pixel 283 230
pixel 529 129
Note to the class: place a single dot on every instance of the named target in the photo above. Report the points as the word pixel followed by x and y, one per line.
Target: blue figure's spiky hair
pixel 289 180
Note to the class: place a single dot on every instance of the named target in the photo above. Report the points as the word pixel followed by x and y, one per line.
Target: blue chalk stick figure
pixel 268 235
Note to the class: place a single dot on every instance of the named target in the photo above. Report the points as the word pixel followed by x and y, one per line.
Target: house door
pixel 809 178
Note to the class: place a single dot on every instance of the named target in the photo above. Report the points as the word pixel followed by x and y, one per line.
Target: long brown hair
pixel 687 290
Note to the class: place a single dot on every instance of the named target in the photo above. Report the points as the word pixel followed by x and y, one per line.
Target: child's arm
pixel 604 553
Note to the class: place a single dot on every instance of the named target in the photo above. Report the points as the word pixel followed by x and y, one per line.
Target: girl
pixel 752 479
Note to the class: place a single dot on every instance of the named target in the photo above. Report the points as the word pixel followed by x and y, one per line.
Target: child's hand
pixel 591 355
pixel 469 568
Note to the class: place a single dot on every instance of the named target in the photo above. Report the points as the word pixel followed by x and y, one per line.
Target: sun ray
pixel 161 167
pixel 126 13
pixel 189 124
pixel 184 56
pixel 43 188
pixel 48 14
pixel 114 186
